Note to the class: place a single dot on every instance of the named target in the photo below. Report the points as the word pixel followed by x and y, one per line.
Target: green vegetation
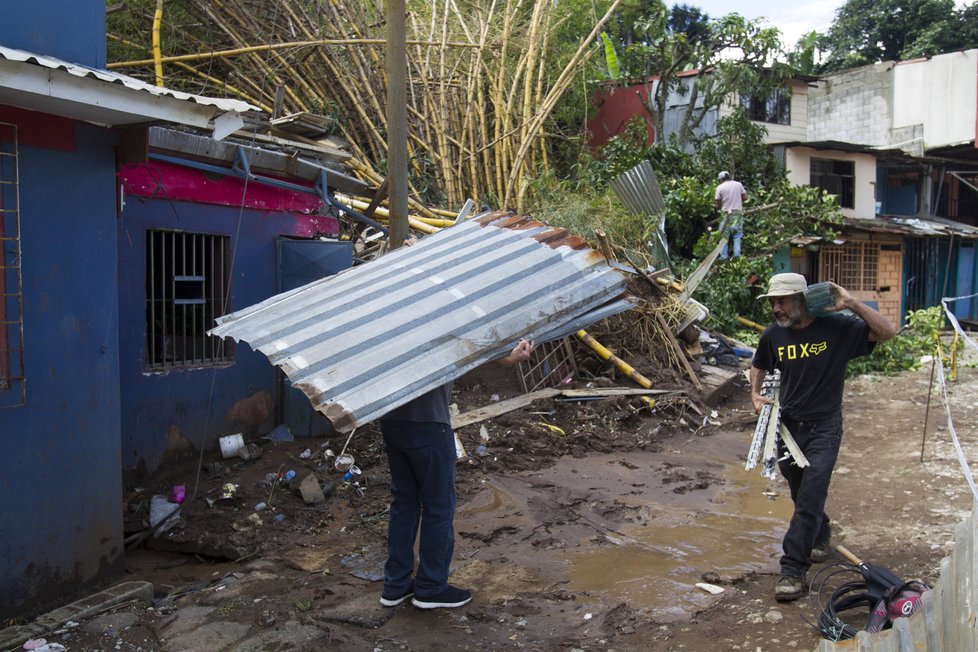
pixel 917 339
pixel 688 181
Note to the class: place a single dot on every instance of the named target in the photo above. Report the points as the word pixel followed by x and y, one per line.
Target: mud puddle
pixel 642 531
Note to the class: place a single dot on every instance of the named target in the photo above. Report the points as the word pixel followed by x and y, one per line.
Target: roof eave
pixel 57 92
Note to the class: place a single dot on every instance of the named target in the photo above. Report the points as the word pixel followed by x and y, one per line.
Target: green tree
pixel 729 54
pixel 870 31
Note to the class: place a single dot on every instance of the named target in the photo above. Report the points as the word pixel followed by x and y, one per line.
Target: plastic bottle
pixel 818 298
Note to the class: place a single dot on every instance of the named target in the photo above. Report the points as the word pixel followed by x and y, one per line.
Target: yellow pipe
pixel 607 355
pixel 752 324
pixel 157 55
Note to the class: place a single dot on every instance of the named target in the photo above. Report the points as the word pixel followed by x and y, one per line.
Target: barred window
pixel 853 265
pixel 187 277
pixel 13 391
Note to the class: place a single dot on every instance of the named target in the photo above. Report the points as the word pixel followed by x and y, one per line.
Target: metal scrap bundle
pixel 769 431
pixel 373 337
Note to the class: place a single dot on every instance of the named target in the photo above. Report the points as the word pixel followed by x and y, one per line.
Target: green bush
pixel 917 339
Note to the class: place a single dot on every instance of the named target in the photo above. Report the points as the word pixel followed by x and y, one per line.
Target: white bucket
pixel 230 445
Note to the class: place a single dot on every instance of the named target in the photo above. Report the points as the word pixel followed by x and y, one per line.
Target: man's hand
pixel 759 402
pixel 843 300
pixel 520 353
pixel 880 328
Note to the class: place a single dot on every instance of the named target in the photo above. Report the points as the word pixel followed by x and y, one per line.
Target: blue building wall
pixel 61 521
pixel 73 31
pixel 193 400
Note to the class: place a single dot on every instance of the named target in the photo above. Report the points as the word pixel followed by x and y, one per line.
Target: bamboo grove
pixel 483 77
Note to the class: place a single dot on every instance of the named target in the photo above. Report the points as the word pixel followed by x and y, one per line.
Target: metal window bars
pixel 13 384
pixel 187 276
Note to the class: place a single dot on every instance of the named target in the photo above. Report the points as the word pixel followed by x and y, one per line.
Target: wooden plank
pixel 679 351
pixel 502 407
pixel 615 391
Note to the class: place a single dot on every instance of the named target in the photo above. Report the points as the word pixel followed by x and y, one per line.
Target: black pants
pixel 819 440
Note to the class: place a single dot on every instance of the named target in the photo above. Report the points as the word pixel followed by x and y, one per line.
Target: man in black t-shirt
pixel 812 354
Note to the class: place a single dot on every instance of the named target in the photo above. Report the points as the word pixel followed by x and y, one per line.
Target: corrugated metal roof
pixel 78 70
pixel 373 337
pixel 638 189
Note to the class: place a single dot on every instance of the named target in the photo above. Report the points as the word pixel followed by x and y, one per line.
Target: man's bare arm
pixel 757 376
pixel 880 328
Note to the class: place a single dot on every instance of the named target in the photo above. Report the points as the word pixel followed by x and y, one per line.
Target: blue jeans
pixel 819 441
pixel 733 225
pixel 422 465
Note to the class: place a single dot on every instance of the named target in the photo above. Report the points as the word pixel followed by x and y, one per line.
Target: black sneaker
pixel 393 600
pixel 448 599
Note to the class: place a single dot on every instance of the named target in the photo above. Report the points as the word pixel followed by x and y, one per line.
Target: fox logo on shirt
pixel 796 351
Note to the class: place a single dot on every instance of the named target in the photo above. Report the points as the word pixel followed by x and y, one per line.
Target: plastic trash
pixel 280 517
pixel 288 477
pixel 344 462
pixel 280 433
pixel 230 445
pixel 159 509
pixel 351 473
pixel 178 494
pixel 306 454
pixel 260 506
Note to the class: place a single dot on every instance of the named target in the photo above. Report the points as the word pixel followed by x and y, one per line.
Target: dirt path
pixel 594 539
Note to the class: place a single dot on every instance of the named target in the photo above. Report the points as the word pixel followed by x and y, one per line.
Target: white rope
pixel 954 320
pixel 954 436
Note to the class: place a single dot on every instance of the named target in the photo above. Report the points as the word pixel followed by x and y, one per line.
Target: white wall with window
pixel 784 114
pixel 849 175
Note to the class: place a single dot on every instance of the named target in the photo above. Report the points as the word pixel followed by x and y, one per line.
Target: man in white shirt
pixel 730 197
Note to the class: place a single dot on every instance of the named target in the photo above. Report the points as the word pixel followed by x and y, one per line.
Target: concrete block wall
pixel 853 107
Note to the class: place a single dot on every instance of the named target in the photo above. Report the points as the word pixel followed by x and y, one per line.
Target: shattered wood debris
pixel 510 405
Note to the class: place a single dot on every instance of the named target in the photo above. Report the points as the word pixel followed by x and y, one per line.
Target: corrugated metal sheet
pixel 371 338
pixel 638 189
pixel 78 70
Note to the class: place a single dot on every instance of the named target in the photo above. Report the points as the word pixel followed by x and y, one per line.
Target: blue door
pixel 965 308
pixel 301 262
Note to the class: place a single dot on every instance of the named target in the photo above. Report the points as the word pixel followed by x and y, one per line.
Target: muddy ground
pixel 592 537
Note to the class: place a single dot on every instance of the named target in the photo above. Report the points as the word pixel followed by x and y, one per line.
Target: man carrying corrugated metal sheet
pixel 812 354
pixel 420 448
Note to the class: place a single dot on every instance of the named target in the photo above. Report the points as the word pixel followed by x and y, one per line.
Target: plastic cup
pixel 343 462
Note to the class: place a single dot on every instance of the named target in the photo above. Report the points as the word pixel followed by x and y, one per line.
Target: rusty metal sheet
pixel 373 337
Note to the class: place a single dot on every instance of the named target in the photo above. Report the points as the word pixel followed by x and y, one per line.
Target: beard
pixel 788 318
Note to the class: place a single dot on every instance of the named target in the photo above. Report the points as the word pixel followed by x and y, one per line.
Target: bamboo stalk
pixel 157 55
pixel 550 101
pixel 201 56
